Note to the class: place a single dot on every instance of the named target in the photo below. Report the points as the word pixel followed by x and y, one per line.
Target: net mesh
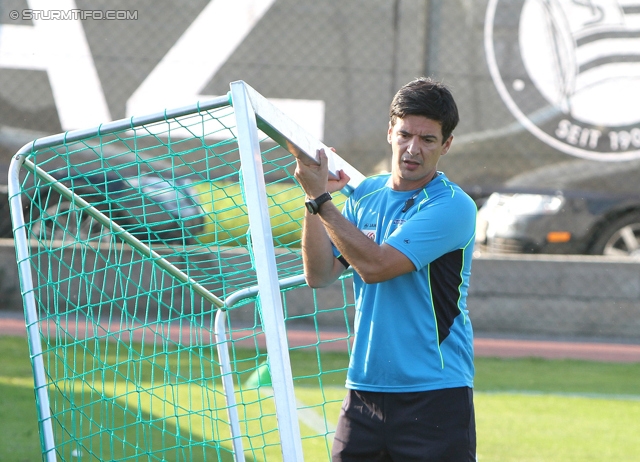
pixel 131 360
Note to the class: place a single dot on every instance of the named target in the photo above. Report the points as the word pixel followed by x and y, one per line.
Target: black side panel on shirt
pixel 343 260
pixel 445 282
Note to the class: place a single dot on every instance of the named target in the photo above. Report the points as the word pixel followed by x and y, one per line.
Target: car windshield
pixel 176 198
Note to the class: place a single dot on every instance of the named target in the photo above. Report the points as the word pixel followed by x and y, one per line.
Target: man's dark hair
pixel 426 97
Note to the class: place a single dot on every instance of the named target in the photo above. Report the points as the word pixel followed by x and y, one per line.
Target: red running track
pixel 488 347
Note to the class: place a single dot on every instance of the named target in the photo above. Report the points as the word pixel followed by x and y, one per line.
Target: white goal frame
pixel 253 113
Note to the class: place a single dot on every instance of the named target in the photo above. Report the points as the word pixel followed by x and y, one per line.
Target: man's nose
pixel 413 148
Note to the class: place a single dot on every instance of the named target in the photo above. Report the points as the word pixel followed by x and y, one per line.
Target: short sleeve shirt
pixel 412 332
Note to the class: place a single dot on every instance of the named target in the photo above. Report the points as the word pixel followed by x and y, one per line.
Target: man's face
pixel 416 143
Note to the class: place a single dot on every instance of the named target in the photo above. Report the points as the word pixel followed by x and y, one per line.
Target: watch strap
pixel 313 205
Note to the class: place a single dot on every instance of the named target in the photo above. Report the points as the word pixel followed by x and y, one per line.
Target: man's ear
pixel 389 132
pixel 447 145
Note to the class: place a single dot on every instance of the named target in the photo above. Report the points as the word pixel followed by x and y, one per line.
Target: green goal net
pixel 161 273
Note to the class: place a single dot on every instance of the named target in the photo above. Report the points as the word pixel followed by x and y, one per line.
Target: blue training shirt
pixel 413 332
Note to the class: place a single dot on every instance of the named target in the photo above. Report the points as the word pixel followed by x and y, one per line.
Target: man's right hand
pixel 314 178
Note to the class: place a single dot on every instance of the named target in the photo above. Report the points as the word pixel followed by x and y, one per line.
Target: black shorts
pixel 434 426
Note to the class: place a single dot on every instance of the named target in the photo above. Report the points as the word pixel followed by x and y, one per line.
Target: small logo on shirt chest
pixel 370 230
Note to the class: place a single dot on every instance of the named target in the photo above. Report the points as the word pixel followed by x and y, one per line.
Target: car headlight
pixel 533 204
pixel 502 215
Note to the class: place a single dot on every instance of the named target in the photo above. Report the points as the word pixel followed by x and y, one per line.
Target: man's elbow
pixel 316 282
pixel 372 278
pixel 382 273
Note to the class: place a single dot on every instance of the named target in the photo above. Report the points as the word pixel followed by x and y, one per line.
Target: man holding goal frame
pixel 408 236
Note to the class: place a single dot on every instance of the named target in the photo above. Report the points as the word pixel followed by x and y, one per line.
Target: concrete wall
pixel 577 296
pixel 558 296
pixel 10 295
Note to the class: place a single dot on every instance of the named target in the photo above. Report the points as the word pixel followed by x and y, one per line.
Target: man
pixel 409 238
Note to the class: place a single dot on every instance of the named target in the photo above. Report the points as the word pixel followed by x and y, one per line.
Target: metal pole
pixel 30 311
pixel 266 269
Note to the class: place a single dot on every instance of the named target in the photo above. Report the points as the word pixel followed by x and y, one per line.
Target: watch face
pixel 311 207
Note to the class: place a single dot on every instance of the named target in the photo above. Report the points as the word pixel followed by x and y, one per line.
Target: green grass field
pixel 526 409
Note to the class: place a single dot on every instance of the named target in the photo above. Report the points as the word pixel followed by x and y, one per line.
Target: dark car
pixel 148 206
pixel 578 207
pixel 6 230
pixel 151 206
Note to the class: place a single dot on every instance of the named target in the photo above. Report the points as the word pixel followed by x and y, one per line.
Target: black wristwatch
pixel 313 205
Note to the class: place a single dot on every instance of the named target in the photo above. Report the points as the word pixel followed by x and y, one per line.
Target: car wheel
pixel 620 238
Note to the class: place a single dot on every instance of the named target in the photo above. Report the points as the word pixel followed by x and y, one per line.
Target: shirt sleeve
pixel 436 229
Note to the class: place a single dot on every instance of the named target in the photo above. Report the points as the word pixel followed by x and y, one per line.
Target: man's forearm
pixel 373 262
pixel 320 267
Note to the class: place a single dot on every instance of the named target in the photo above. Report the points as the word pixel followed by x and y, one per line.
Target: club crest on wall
pixel 569 71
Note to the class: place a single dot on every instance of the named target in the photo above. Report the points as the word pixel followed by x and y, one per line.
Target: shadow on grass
pixel 99 428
